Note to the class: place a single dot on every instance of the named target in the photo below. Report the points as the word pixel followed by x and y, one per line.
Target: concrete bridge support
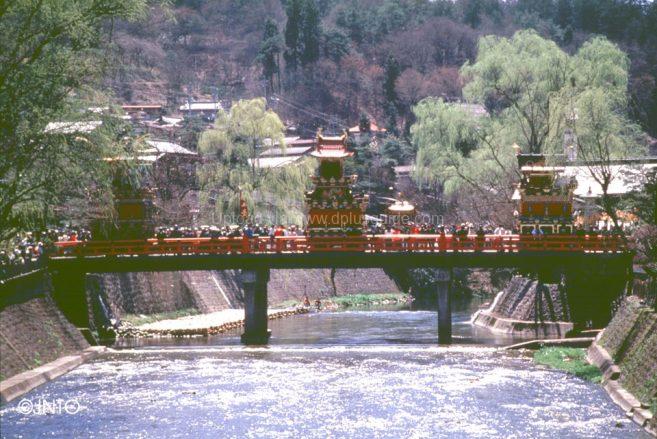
pixel 444 286
pixel 254 284
pixel 593 286
pixel 69 292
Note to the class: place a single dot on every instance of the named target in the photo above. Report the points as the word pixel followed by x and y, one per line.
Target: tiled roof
pixel 289 151
pixel 275 162
pixel 163 147
pixel 201 106
pixel 73 127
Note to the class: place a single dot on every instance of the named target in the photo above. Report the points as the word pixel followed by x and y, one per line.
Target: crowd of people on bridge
pixel 26 251
pixel 463 229
pixel 233 231
pixel 257 230
pixel 373 228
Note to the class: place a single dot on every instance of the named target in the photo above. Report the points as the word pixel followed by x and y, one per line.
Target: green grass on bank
pixel 142 319
pixel 353 301
pixel 367 300
pixel 571 360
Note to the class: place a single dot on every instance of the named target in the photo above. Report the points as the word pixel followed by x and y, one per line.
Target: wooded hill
pixel 327 62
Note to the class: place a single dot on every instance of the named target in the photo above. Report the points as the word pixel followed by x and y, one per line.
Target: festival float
pixel 333 209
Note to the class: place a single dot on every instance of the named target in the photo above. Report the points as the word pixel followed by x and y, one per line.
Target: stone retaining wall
pixel 141 293
pixel 630 343
pixel 210 291
pixel 34 333
pixel 292 284
pixel 527 307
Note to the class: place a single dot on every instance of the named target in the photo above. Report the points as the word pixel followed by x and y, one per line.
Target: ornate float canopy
pixel 401 208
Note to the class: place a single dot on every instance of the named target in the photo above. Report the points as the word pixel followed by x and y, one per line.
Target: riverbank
pixel 147 293
pixel 626 353
pixel 33 333
pixel 20 384
pixel 198 324
pixel 527 308
pixel 190 323
pixel 143 319
pixel 358 301
pixel 622 358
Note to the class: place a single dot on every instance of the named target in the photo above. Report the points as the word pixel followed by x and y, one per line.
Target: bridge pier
pixel 254 284
pixel 444 286
pixel 70 295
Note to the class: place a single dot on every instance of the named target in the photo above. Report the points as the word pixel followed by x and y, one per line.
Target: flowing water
pixel 369 374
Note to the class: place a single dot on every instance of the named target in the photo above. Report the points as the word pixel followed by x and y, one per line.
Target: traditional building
pixel 333 209
pixel 274 156
pixel 144 111
pixel 205 110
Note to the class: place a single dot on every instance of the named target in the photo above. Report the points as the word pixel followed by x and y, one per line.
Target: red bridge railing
pixel 368 244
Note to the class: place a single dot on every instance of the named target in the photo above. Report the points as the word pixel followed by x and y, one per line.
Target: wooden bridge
pixel 256 256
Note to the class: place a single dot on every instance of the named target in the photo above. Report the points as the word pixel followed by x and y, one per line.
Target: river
pixel 366 374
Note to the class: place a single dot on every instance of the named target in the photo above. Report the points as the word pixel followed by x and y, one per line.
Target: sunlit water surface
pixel 353 374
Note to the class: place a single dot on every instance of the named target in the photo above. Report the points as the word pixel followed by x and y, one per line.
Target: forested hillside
pixel 327 62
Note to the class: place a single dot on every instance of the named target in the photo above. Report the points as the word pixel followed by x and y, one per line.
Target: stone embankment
pixel 199 325
pixel 212 291
pixel 33 333
pixel 527 307
pixel 23 382
pixel 626 353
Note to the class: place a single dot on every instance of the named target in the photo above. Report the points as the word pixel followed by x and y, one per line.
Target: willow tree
pixel 534 92
pixel 516 78
pixel 446 135
pixel 596 101
pixel 49 53
pixel 604 133
pixel 233 170
pixel 467 157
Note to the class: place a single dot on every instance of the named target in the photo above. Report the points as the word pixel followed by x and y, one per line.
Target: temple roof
pixel 331 147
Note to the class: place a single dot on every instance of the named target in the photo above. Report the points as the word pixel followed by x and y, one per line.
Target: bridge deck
pixel 340 252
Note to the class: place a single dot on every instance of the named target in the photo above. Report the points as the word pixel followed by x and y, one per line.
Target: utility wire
pixel 330 119
pixel 303 110
pixel 291 102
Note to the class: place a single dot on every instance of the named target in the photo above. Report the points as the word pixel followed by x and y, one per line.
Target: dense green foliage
pixel 48 59
pixel 231 169
pixel 356 301
pixel 269 53
pixel 373 163
pixel 302 33
pixel 370 300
